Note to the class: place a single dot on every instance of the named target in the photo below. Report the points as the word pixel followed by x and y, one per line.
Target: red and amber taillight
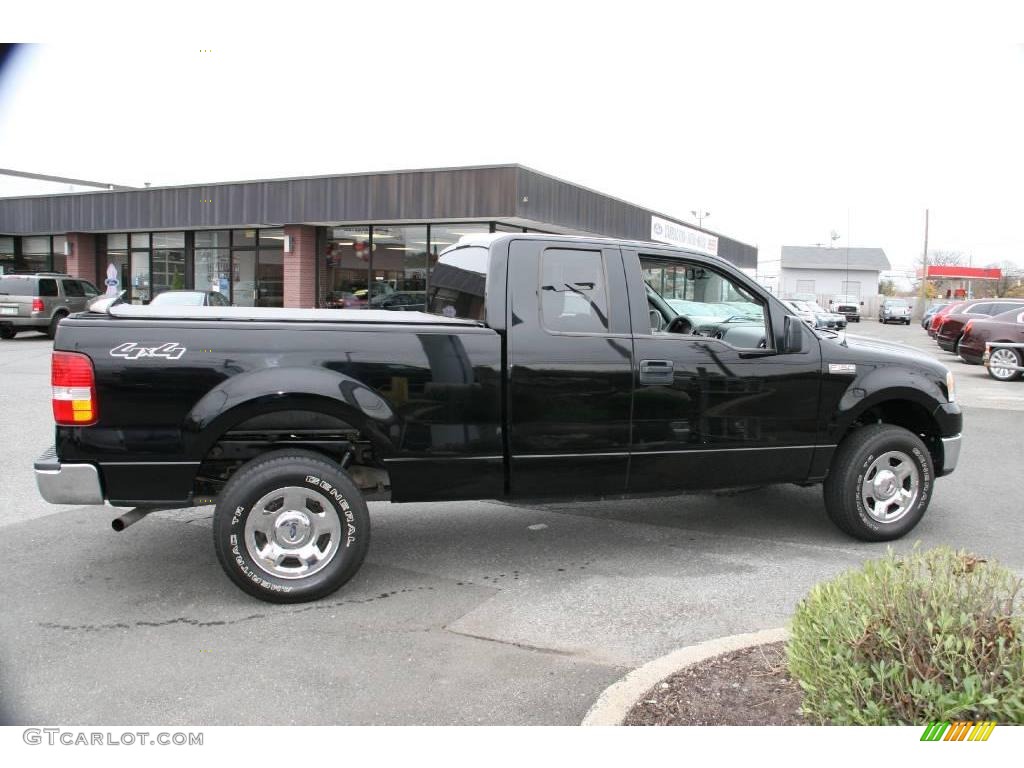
pixel 74 390
pixel 967 328
pixel 37 305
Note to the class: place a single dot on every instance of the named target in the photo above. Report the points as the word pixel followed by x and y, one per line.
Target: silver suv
pixel 38 302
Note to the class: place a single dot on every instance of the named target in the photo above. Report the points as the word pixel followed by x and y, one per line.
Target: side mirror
pixel 656 319
pixel 793 334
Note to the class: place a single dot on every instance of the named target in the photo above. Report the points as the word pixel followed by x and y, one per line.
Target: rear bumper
pixel 23 322
pixel 67 483
pixel 946 344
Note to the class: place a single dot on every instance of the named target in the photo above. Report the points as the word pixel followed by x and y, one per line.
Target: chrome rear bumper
pixel 67 483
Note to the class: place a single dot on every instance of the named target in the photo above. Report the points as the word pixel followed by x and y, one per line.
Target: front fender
pixel 884 384
pixel 254 393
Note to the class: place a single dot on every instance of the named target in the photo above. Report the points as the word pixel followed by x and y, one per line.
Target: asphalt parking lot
pixel 476 612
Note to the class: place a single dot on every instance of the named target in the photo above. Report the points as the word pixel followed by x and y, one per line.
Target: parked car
pixel 546 367
pixel 849 306
pixel 190 299
pixel 894 311
pixel 930 311
pixel 40 301
pixel 815 316
pixel 940 315
pixel 1009 327
pixel 952 326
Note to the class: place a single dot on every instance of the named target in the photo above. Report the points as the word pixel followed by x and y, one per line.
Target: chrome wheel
pixel 890 487
pixel 292 532
pixel 1001 363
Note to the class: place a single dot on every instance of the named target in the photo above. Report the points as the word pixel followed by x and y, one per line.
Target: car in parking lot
pixel 38 302
pixel 815 316
pixel 1002 361
pixel 951 328
pixel 849 306
pixel 191 299
pixel 930 311
pixel 894 311
pixel 940 315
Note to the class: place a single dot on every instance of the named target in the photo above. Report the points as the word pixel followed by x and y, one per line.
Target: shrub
pixel 933 635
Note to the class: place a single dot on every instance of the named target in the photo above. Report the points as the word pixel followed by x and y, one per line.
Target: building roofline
pixel 107 186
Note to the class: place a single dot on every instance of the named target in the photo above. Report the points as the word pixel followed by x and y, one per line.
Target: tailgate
pixel 15 306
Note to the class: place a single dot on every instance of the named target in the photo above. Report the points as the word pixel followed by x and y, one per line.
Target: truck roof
pixel 486 239
pixel 269 314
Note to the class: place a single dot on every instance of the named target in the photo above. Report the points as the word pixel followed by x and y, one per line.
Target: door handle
pixel 657 372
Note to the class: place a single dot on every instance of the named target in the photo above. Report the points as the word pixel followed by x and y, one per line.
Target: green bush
pixel 936 635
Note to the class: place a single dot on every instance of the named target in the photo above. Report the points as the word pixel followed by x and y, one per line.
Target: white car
pixel 894 310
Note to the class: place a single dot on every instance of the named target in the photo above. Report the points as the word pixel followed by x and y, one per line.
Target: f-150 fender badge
pixel 130 350
pixel 842 368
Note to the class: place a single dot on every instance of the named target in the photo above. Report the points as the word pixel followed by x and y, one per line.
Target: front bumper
pixel 67 483
pixel 950 453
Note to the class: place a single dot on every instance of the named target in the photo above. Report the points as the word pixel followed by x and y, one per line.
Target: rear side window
pixel 47 287
pixel 73 289
pixel 88 288
pixel 573 291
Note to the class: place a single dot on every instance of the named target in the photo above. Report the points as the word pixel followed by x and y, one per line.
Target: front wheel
pixel 291 526
pixel 880 483
pixel 1001 363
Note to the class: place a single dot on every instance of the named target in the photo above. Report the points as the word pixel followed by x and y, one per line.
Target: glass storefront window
pixel 499 227
pixel 117 242
pixel 168 270
pixel 166 240
pixel 399 277
pixel 243 237
pixel 213 270
pixel 35 254
pixel 270 269
pixel 6 255
pixel 345 268
pixel 60 261
pixel 140 240
pixel 444 235
pixel 140 286
pixel 211 239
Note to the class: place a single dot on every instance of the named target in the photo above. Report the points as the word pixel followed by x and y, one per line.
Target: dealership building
pixel 352 240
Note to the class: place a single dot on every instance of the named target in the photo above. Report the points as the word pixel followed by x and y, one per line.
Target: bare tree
pixel 946 258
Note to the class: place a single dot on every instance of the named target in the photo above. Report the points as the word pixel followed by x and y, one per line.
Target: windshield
pixel 458 283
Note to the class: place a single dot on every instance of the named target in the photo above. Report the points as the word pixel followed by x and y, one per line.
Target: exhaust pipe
pixel 129 518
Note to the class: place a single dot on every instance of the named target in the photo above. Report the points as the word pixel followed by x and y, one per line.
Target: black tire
pixel 851 463
pixel 7 333
pixel 305 471
pixel 51 329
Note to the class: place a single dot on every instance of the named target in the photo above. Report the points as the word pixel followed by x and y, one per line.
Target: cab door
pixel 570 369
pixel 720 405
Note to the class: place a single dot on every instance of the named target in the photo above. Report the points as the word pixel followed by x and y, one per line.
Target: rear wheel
pixel 880 483
pixel 1001 362
pixel 51 330
pixel 7 333
pixel 291 526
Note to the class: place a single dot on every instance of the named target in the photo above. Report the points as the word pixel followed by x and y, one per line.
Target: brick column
pixel 81 262
pixel 300 267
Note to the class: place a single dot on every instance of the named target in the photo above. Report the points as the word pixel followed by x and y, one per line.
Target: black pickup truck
pixel 544 366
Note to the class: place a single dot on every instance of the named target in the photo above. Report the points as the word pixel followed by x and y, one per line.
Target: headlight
pixel 950 387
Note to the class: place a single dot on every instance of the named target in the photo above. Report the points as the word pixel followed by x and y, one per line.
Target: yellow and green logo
pixel 958 730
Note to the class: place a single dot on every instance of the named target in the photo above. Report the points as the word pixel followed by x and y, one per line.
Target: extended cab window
pixel 694 300
pixel 573 291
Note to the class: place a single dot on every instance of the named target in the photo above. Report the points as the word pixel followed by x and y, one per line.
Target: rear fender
pixel 273 389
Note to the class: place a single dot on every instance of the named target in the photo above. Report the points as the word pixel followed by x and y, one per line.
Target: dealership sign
pixel 665 231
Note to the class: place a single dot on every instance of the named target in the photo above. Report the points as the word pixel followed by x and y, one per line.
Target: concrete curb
pixel 614 704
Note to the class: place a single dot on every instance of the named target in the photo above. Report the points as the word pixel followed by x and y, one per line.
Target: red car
pixel 1008 326
pixel 938 317
pixel 951 328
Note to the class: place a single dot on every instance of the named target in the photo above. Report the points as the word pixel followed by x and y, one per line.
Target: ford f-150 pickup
pixel 542 366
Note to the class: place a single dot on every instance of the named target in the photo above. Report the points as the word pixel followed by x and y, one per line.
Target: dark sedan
pixel 952 326
pixel 1008 326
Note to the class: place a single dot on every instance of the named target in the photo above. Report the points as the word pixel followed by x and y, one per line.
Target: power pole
pixel 923 295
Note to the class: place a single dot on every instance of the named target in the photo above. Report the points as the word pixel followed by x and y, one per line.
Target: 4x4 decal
pixel 132 351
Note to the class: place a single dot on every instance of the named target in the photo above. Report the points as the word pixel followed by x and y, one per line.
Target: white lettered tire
pixel 880 483
pixel 291 526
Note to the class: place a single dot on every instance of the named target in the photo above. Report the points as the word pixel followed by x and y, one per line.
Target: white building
pixel 827 272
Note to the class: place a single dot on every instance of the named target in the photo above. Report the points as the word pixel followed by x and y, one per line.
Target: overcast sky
pixel 785 121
